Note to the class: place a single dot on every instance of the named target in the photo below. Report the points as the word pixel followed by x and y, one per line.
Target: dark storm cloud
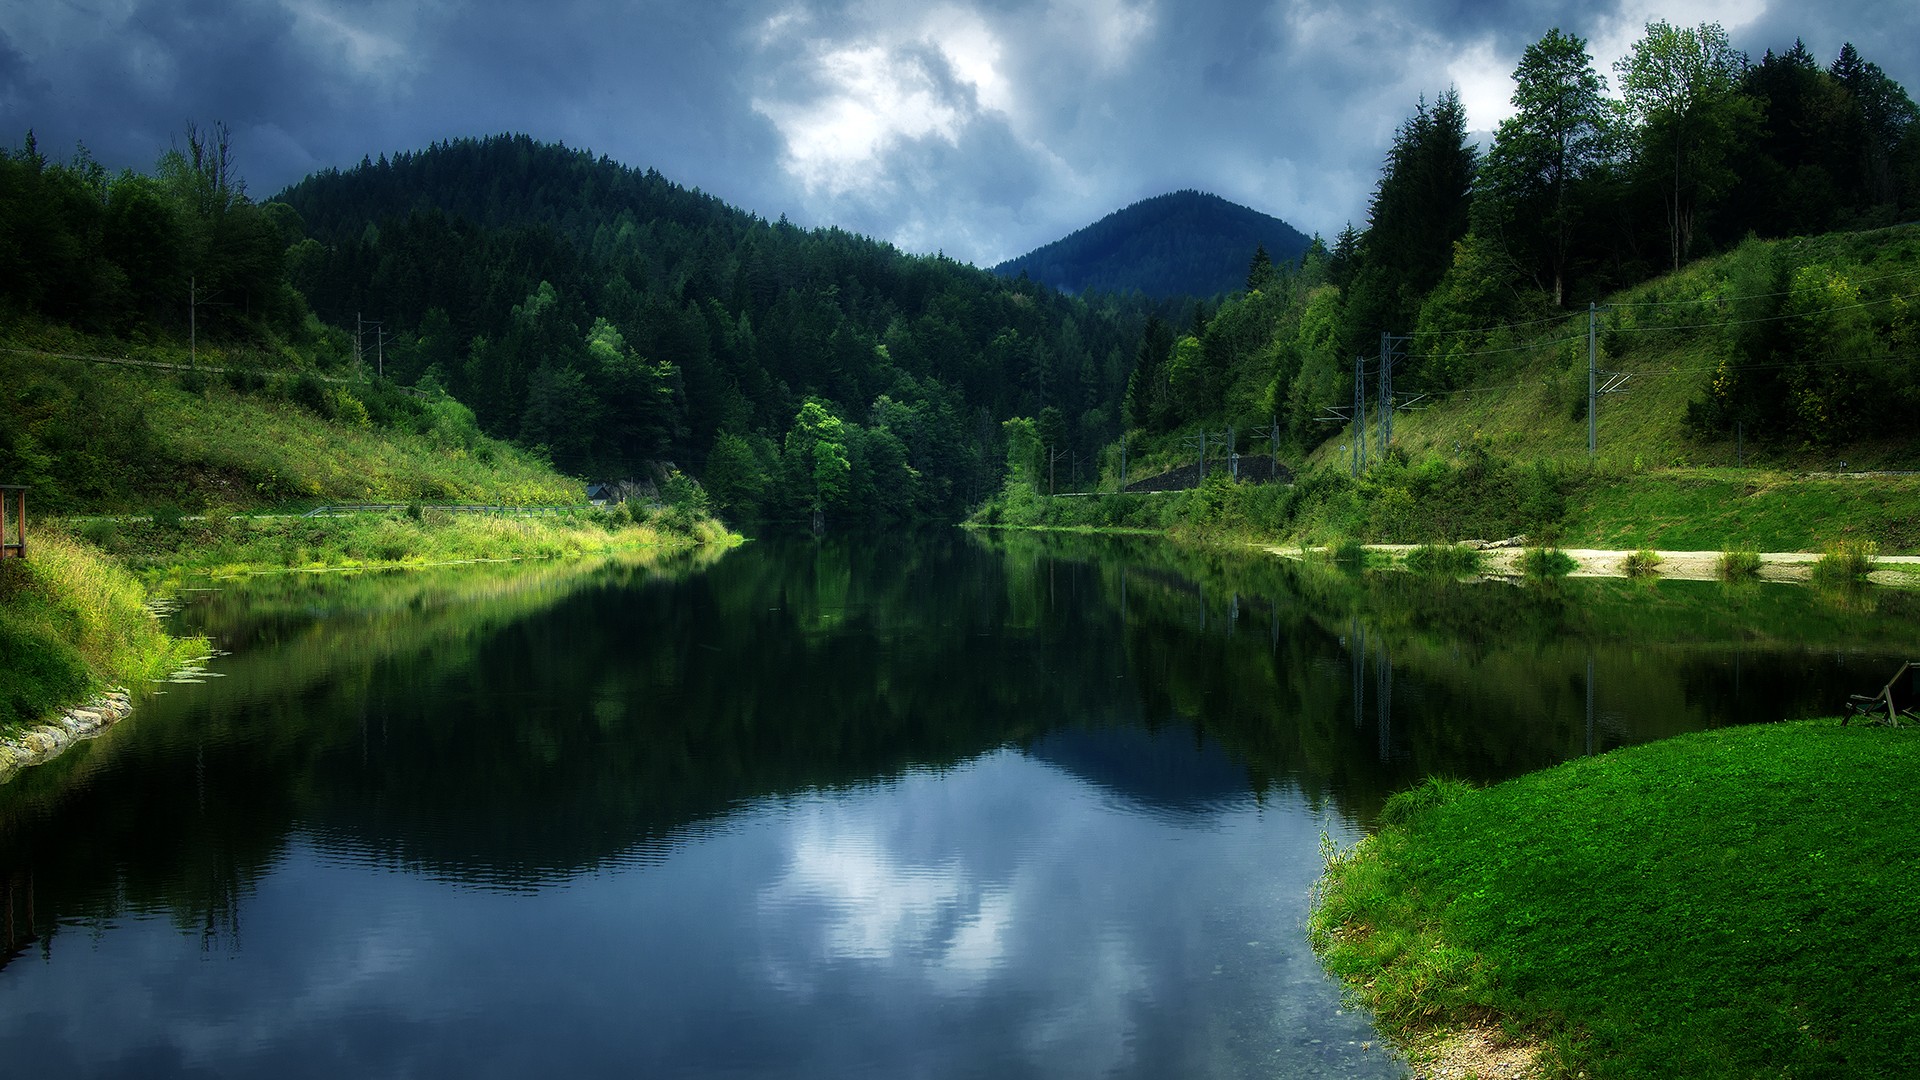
pixel 983 127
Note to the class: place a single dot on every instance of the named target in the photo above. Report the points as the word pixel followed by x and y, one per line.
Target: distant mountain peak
pixel 1183 243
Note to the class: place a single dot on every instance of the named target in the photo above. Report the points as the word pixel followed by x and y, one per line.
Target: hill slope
pixel 1187 243
pixel 612 317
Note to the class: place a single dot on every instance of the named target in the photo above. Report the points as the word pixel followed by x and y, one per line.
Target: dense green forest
pixel 613 319
pixel 1187 244
pixel 1470 263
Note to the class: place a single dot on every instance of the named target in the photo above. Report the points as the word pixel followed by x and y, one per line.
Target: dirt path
pixel 1682 565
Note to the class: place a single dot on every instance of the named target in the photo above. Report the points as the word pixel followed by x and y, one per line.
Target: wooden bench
pixel 1898 700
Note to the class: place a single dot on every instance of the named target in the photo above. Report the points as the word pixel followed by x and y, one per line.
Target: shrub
pixel 1847 560
pixel 1642 563
pixel 1444 559
pixel 1349 553
pixel 1739 565
pixel 1546 562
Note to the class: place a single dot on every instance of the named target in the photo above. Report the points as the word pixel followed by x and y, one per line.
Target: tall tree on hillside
pixel 1420 208
pixel 1792 182
pixel 1530 186
pixel 1681 91
pixel 1148 403
pixel 1883 115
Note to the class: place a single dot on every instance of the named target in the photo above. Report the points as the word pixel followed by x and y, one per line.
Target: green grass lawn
pixel 1736 903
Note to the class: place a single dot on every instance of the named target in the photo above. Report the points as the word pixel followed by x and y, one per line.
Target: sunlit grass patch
pixel 73 623
pixel 1732 903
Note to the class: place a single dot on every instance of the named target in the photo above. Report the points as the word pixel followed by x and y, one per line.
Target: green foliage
pixel 1847 560
pixel 1445 560
pixel 1738 932
pixel 72 623
pixel 1679 87
pixel 616 318
pixel 1546 563
pixel 1540 174
pixel 1642 563
pixel 1739 565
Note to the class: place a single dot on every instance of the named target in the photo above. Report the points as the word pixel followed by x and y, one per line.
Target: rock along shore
pixel 45 742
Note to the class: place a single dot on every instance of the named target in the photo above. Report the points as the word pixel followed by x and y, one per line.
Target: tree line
pixel 1590 187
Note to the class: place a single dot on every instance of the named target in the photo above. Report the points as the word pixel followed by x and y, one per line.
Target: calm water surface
pixel 927 806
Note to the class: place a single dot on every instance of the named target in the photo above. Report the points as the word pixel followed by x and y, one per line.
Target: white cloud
pixel 1485 81
pixel 372 50
pixel 872 97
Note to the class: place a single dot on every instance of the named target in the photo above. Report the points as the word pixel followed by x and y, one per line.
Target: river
pixel 927 805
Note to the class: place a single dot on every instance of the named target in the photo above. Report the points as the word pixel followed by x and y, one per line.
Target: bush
pixel 684 494
pixel 1349 553
pixel 1739 565
pixel 1444 559
pixel 1847 560
pixel 1642 563
pixel 1546 562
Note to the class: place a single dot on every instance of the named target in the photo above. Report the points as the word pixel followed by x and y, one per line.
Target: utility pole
pixel 1359 414
pixel 1386 393
pixel 1052 456
pixel 1593 389
pixel 1389 345
pixel 1616 384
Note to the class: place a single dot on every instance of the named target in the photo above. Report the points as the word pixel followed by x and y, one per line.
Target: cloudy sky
pixel 982 128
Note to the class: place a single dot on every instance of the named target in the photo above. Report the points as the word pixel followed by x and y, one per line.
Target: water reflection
pixel 940 804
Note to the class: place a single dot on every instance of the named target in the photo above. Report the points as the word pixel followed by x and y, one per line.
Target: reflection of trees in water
pixel 513 727
pixel 1471 679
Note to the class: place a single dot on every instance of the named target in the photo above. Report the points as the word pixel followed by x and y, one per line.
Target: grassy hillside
pixel 1766 406
pixel 273 430
pixel 1842 307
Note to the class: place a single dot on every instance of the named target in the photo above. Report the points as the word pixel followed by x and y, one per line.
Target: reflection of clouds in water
pixel 868 904
pixel 883 881
pixel 295 973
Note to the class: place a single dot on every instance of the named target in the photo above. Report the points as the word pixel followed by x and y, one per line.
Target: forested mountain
pixel 614 317
pixel 1187 243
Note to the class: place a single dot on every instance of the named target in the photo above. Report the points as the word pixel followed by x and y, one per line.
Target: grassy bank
pixel 1487 497
pixel 1730 903
pixel 173 545
pixel 73 622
